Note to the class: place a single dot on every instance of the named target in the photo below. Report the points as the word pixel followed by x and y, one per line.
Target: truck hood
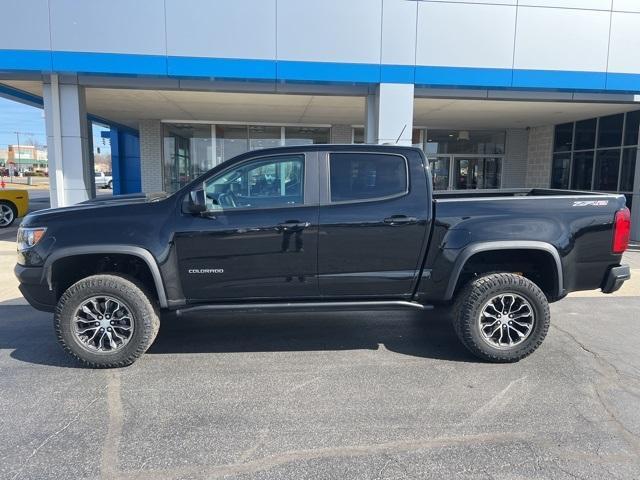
pixel 41 216
pixel 124 199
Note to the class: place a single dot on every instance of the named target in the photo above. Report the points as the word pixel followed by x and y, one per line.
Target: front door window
pixel 271 182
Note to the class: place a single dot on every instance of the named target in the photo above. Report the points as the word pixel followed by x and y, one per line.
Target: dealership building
pixel 498 93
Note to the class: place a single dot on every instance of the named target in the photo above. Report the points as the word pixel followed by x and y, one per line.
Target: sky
pixel 29 122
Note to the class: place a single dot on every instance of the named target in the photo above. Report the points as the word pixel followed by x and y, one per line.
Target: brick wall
pixel 514 173
pixel 539 156
pixel 341 134
pixel 151 155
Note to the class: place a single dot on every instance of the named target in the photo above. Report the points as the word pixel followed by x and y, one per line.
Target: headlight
pixel 28 237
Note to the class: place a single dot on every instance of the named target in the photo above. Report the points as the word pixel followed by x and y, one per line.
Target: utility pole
pixel 18 152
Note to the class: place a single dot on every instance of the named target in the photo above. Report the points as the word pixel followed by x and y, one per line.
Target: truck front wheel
pixel 106 321
pixel 501 317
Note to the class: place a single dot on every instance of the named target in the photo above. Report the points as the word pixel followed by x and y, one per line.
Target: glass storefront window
pixel 610 131
pixel 585 134
pixel 417 136
pixel 560 170
pixel 264 137
pixel 603 151
pixel 563 138
pixel 188 153
pixel 189 149
pixel 231 140
pixel 582 170
pixel 629 156
pixel 607 167
pixel 305 135
pixel 632 128
pixel 466 141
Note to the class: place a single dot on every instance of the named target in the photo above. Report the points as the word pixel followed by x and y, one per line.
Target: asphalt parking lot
pixel 384 395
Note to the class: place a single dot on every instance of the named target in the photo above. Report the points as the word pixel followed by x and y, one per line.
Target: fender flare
pixel 479 247
pixel 139 252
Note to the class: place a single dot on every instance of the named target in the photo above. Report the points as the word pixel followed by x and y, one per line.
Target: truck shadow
pixel 30 338
pixel 410 333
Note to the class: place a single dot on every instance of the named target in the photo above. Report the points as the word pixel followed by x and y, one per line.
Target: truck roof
pixel 332 147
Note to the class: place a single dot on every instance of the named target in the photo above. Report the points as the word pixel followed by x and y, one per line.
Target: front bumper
pixel 34 288
pixel 615 278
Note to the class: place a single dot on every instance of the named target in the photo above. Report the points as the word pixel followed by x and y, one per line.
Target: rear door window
pixel 367 176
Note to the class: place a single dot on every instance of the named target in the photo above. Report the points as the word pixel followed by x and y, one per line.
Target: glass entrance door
pixel 464 172
pixel 477 173
pixel 440 171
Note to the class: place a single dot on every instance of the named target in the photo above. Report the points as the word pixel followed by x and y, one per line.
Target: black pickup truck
pixel 319 227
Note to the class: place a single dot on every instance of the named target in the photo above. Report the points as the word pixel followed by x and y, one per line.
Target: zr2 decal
pixel 591 203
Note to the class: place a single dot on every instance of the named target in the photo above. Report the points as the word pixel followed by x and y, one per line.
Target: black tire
pixel 110 185
pixel 144 316
pixel 475 295
pixel 13 208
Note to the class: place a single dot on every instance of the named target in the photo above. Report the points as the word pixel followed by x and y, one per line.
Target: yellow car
pixel 13 204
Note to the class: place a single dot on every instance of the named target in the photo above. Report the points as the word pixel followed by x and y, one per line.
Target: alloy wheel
pixel 6 215
pixel 103 324
pixel 506 320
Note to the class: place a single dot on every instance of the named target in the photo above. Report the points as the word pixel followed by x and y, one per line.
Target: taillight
pixel 621 230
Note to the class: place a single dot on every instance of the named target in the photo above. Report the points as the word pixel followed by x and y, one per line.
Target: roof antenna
pixel 400 136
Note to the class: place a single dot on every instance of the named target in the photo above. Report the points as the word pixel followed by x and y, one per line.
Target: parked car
pixel 318 227
pixel 13 204
pixel 104 180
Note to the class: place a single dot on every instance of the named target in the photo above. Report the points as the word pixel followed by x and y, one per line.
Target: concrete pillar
pixel 151 168
pixel 370 119
pixel 393 113
pixel 514 168
pixel 539 156
pixel 71 174
pixel 635 203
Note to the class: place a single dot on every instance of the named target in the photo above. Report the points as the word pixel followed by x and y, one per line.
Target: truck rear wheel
pixel 501 317
pixel 106 321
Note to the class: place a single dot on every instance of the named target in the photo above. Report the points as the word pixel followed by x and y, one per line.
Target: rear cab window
pixel 367 176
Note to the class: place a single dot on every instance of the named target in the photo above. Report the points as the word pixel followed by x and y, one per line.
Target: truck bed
pixel 577 225
pixel 513 192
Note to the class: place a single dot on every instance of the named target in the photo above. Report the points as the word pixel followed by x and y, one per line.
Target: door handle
pixel 293 225
pixel 400 220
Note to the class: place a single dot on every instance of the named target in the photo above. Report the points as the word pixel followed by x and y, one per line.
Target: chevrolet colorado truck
pixel 312 227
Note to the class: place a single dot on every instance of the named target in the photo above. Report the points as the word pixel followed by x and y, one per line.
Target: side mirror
pixel 197 203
